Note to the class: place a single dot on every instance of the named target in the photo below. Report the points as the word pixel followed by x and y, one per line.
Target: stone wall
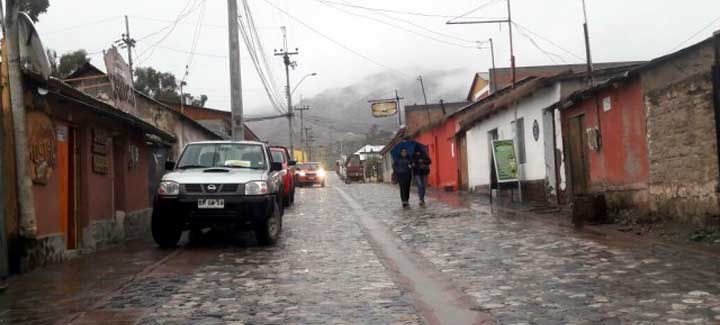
pixel 683 150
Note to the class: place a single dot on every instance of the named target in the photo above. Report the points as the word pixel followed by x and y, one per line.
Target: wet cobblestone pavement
pixel 524 273
pixel 323 272
pixel 330 268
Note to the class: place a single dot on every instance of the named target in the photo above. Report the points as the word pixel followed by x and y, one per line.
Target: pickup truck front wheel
pixel 267 231
pixel 165 231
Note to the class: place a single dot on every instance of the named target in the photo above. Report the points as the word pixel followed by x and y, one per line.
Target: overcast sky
pixel 406 44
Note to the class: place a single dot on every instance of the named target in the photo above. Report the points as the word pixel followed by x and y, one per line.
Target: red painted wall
pixel 622 162
pixel 95 197
pixel 443 151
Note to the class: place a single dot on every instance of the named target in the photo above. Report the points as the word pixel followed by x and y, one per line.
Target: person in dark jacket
pixel 421 168
pixel 402 170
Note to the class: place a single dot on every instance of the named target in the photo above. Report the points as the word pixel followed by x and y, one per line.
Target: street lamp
pixel 301 81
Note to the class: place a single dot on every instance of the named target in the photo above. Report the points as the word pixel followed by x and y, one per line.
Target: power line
pixel 421 14
pixel 548 54
pixel 263 55
pixel 316 31
pixel 333 5
pixel 527 30
pixel 184 13
pixel 710 24
pixel 196 36
pixel 486 4
pixel 90 23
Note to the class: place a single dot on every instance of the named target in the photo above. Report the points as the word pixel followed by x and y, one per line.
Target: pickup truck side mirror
pixel 169 165
pixel 292 163
pixel 276 166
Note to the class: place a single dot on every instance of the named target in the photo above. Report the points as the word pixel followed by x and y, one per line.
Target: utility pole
pixel 422 86
pixel 28 224
pixel 302 124
pixel 127 42
pixel 492 58
pixel 512 67
pixel 288 64
pixel 587 46
pixel 4 251
pixel 236 105
pixel 307 143
pixel 397 100
pixel 496 21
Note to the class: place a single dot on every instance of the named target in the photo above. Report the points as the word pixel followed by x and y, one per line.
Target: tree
pixel 34 8
pixel 68 62
pixel 163 86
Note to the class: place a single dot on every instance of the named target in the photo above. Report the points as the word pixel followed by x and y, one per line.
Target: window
pixel 278 156
pixel 234 155
pixel 520 131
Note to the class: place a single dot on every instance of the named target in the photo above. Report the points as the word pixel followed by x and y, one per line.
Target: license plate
pixel 211 204
pixel 311 177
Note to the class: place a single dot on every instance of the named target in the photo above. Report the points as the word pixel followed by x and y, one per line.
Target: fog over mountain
pixel 343 114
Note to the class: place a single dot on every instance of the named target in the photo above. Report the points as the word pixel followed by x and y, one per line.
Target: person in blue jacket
pixel 402 174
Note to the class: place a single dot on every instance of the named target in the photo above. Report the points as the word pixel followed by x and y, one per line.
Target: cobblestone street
pixel 351 255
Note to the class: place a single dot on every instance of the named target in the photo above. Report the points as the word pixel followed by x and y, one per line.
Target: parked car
pixel 282 155
pixel 228 184
pixel 310 174
pixel 354 170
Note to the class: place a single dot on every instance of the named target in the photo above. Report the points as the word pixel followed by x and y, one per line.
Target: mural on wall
pixel 42 146
pixel 100 150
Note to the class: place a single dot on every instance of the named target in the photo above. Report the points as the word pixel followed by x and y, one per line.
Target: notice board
pixel 506 166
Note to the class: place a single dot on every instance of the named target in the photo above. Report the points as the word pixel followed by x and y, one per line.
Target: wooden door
pixel 67 181
pixel 464 182
pixel 578 155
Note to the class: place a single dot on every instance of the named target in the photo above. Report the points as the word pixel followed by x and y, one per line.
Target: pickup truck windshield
pixel 233 155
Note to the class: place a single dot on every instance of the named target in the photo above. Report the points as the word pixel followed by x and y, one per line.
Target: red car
pixel 310 174
pixel 281 154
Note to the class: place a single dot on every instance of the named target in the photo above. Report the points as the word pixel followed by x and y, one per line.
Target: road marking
pixel 435 299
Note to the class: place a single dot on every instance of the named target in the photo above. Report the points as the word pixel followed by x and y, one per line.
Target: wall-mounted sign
pixel 120 80
pixel 133 156
pixel 505 161
pixel 536 130
pixel 100 150
pixel 607 103
pixel 384 108
pixel 42 146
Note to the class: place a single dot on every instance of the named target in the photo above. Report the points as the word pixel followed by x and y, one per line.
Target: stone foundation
pixel 42 251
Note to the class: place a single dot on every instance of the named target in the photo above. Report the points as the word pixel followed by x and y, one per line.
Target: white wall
pixel 530 109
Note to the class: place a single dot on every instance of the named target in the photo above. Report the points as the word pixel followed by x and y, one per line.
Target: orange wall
pixel 443 152
pixel 622 161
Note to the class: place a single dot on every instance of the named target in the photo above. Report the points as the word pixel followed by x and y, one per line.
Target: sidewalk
pixel 71 287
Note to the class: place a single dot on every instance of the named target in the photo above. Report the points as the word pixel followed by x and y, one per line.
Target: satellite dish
pixel 32 52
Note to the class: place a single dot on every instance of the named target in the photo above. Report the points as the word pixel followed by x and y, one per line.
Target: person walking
pixel 402 173
pixel 421 169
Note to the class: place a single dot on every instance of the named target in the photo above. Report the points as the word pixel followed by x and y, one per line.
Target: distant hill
pixel 343 114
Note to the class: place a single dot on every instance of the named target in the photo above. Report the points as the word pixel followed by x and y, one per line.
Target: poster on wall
pixel 506 166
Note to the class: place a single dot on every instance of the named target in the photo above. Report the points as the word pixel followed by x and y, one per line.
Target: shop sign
pixel 42 146
pixel 100 149
pixel 120 80
pixel 506 165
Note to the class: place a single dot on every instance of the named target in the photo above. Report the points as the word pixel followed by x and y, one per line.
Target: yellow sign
pixel 384 108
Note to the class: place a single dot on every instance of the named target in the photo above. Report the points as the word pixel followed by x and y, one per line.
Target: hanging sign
pixel 120 80
pixel 42 146
pixel 506 166
pixel 384 108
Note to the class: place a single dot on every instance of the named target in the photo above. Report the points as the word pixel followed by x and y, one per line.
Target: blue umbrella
pixel 410 145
